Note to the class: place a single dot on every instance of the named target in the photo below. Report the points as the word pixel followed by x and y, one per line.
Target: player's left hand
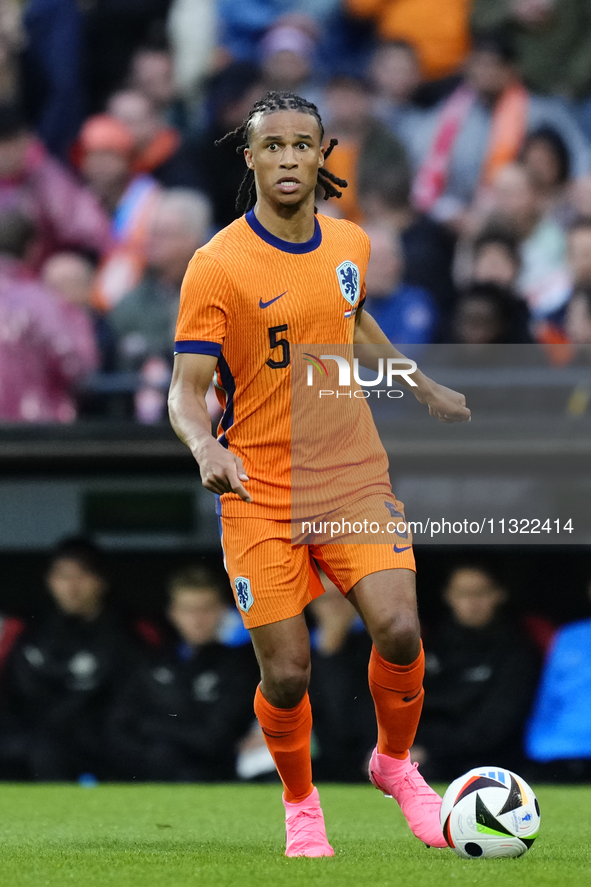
pixel 445 404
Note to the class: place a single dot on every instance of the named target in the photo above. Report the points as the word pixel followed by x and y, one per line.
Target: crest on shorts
pixel 348 277
pixel 243 593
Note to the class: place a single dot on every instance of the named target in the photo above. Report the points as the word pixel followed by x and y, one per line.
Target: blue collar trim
pixel 285 245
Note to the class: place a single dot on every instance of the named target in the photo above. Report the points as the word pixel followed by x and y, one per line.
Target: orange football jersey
pixel 247 298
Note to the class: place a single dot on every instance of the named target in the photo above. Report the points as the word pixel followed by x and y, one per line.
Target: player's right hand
pixel 223 472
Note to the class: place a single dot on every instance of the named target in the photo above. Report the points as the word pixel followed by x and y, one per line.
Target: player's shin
pixel 397 692
pixel 287 732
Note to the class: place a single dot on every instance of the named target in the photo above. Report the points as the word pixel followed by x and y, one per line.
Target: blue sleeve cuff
pixel 198 347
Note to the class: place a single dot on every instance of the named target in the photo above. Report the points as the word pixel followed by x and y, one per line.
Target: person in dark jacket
pixel 479 682
pixel 181 717
pixel 61 675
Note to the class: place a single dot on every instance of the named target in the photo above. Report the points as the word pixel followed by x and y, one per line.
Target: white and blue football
pixel 490 812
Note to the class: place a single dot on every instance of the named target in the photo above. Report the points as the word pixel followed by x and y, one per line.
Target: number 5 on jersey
pixel 276 342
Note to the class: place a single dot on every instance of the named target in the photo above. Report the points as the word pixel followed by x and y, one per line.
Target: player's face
pixel 285 154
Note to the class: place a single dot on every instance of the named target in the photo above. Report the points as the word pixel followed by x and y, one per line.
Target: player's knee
pixel 397 639
pixel 286 685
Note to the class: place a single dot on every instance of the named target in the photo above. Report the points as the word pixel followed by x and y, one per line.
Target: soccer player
pixel 267 280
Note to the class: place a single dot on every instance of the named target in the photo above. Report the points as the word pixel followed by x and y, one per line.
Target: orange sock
pixel 398 693
pixel 287 734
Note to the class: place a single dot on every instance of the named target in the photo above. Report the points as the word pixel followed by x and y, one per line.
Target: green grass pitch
pixel 176 836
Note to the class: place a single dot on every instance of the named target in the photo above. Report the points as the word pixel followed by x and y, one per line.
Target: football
pixel 490 812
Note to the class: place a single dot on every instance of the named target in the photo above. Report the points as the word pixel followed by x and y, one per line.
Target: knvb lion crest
pixel 243 593
pixel 348 276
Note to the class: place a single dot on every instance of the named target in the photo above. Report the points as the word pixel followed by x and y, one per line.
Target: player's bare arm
pixel 444 403
pixel 221 471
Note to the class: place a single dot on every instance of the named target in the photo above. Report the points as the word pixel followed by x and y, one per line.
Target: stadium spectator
pixel 479 680
pixel 62 673
pixel 427 246
pixel 495 258
pixel 53 71
pixel 192 27
pixel 481 127
pixel 144 320
pixel 105 158
pixel 66 214
pixel 406 313
pixel 558 736
pixel 115 30
pixel 229 94
pixel 151 72
pixel 516 202
pixel 180 718
pixel 551 38
pixel 72 276
pixel 158 148
pixel 441 40
pixel 339 693
pixel 489 314
pixel 546 157
pixel 286 55
pixel 366 145
pixel 395 76
pixel 47 343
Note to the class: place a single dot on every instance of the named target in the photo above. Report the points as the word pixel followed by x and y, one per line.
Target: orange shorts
pixel 272 578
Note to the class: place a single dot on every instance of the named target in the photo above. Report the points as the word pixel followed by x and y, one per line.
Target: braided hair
pixel 271 102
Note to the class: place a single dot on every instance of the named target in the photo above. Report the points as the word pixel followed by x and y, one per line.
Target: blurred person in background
pixel 546 157
pixel 395 75
pixel 480 676
pixel 143 321
pixel 180 717
pixel 61 675
pixel 192 28
pixel 339 694
pixel 558 735
pixel 365 143
pixel 441 40
pixel 48 344
pixel 229 95
pixel 551 38
pixel 495 258
pixel 72 276
pixel 407 314
pixel 53 71
pixel 427 246
pixel 104 153
pixel 488 314
pixel 12 36
pixel 286 55
pixel 560 325
pixel 66 214
pixel 517 203
pixel 151 72
pixel 158 148
pixel 114 31
pixel 481 128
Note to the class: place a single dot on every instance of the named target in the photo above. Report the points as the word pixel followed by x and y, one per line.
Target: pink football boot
pixel 419 803
pixel 304 825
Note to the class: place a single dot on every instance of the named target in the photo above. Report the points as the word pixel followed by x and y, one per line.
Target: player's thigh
pixel 272 580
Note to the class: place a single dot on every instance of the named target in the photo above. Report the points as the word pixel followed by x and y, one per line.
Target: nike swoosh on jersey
pixel 270 302
pixel 400 550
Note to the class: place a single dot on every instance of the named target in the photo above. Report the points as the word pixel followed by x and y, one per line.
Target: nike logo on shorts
pixel 399 550
pixel 270 302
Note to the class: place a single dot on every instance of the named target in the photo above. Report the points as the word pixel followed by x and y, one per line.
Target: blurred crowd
pixel 86 695
pixel 464 132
